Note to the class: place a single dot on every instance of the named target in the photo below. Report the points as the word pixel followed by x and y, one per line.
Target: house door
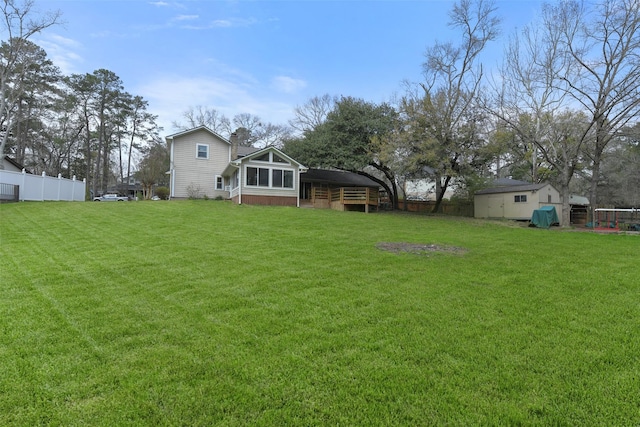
pixel 305 191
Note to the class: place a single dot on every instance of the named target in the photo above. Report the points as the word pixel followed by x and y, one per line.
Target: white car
pixel 111 198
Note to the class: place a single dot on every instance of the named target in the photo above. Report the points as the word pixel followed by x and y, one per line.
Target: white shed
pixel 515 200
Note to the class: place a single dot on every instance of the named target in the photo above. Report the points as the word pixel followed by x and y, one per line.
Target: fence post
pixel 24 178
pixel 44 175
pixel 59 184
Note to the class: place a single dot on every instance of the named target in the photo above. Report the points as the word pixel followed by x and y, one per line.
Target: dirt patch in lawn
pixel 419 248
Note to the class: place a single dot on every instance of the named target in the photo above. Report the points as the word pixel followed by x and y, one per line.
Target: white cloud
pixel 233 22
pixel 185 17
pixel 287 84
pixel 170 96
pixel 62 51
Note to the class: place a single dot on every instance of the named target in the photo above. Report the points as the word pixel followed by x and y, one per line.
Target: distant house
pixel 516 200
pixel 205 164
pixel 12 165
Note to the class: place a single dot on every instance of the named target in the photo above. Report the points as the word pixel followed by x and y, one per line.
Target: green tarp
pixel 545 217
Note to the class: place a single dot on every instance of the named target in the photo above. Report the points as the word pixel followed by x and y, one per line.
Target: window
pixel 276 178
pixel 263 158
pixel 520 198
pixel 288 179
pixel 202 151
pixel 260 177
pixel 282 178
pixel 278 159
pixel 263 177
pixel 219 183
pixel 252 176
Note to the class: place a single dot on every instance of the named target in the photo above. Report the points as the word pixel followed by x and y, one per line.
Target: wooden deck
pixel 341 198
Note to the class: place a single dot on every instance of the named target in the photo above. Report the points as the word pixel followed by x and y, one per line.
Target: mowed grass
pixel 207 313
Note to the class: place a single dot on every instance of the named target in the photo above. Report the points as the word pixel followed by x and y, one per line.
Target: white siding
pixel 269 191
pixel 503 205
pixel 193 174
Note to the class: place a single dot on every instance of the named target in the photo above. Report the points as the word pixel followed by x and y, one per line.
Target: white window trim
pixel 271 154
pixel 270 186
pixel 219 177
pixel 198 151
pixel 262 161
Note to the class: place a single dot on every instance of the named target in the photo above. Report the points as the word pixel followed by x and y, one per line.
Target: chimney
pixel 234 146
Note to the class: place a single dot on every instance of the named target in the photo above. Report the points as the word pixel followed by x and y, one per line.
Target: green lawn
pixel 207 313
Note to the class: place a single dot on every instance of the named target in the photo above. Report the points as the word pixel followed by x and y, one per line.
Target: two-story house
pixel 205 164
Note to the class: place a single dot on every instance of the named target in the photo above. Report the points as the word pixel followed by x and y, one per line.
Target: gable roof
pixel 244 151
pixel 196 129
pixel 259 152
pixel 14 163
pixel 503 182
pixel 512 188
pixel 578 200
pixel 338 177
pixel 252 152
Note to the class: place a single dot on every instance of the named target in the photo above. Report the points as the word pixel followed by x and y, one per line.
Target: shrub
pixel 194 191
pixel 162 192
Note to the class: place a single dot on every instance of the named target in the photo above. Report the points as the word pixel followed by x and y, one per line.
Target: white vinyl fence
pixel 42 187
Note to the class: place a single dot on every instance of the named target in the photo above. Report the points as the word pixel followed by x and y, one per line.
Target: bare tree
pixel 444 122
pixel 606 52
pixel 532 98
pixel 273 135
pixel 253 132
pixel 19 23
pixel 575 56
pixel 532 83
pixel 205 116
pixel 312 114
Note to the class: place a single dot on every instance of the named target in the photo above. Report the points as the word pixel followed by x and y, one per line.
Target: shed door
pixel 496 206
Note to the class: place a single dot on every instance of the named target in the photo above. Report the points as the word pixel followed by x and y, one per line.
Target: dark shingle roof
pixel 337 177
pixel 512 189
pixel 244 151
pixel 503 182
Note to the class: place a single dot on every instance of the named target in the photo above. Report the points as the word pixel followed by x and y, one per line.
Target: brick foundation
pixel 267 200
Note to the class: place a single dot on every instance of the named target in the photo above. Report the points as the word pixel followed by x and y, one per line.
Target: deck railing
pixel 347 195
pixel 355 195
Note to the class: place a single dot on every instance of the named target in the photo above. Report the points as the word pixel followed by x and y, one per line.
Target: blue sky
pixel 258 57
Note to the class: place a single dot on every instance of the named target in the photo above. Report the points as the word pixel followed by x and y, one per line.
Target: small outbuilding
pixel 579 206
pixel 513 199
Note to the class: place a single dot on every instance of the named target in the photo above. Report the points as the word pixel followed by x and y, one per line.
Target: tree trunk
pixel 379 181
pixel 441 189
pixel 393 191
pixel 595 175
